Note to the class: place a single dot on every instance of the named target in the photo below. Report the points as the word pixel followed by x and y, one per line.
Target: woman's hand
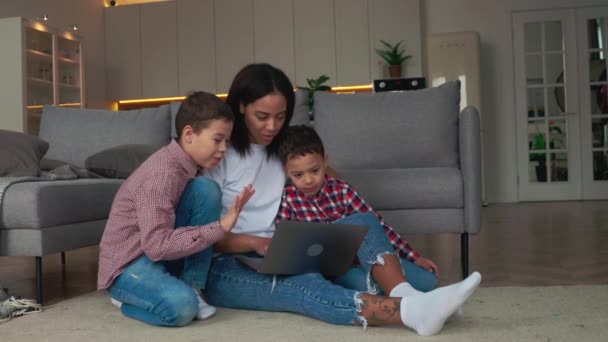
pixel 260 244
pixel 428 265
pixel 229 220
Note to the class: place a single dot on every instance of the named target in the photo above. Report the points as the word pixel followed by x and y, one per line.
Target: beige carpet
pixel 575 313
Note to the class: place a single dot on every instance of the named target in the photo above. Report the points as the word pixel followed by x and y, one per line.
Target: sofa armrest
pixel 470 164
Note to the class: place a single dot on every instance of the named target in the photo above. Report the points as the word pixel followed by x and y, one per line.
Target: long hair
pixel 253 82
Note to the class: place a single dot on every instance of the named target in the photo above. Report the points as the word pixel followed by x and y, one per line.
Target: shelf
pixel 50 67
pixel 68 86
pixel 40 54
pixel 40 81
pixel 68 61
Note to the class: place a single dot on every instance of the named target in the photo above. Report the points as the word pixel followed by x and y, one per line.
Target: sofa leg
pixel 464 254
pixel 39 279
pixel 62 260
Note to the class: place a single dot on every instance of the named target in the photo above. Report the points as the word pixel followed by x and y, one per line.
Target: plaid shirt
pixel 336 200
pixel 142 218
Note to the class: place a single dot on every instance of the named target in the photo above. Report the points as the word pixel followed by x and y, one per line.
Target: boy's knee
pixel 181 308
pixel 365 218
pixel 427 281
pixel 207 186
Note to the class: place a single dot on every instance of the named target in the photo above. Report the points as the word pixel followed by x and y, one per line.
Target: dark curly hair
pixel 300 140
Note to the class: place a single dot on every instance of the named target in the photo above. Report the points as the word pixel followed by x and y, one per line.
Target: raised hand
pixel 229 220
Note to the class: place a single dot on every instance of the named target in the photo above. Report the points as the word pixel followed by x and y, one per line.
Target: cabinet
pixel 41 66
pixel 170 48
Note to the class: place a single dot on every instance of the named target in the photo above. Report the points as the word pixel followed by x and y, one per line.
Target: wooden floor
pixel 529 244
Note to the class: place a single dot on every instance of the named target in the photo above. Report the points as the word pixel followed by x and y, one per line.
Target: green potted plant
pixel 394 56
pixel 538 143
pixel 314 84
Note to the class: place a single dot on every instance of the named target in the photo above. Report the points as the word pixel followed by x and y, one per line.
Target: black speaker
pixel 399 84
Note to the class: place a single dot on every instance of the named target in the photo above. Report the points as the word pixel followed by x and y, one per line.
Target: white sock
pixel 204 310
pixel 404 290
pixel 116 302
pixel 426 313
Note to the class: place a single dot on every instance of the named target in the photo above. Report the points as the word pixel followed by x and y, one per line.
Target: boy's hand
pixel 427 265
pixel 229 220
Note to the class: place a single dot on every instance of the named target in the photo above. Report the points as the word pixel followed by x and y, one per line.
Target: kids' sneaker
pixel 14 307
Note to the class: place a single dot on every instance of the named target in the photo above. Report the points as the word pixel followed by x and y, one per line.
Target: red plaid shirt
pixel 336 200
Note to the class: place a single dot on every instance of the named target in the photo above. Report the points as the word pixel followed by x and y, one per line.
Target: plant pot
pixel 541 171
pixel 394 71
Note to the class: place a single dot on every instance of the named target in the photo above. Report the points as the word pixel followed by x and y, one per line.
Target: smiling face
pixel 265 117
pixel 208 146
pixel 307 172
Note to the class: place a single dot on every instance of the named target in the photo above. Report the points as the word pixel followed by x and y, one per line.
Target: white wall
pixel 88 15
pixel 491 18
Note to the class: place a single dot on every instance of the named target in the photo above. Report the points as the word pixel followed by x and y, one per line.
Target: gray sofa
pixel 39 218
pixel 412 155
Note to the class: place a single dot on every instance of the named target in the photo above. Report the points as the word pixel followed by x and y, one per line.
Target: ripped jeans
pixel 160 293
pixel 234 285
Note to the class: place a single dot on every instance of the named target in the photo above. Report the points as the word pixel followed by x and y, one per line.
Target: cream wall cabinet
pixel 175 47
pixel 273 34
pixel 159 49
pixel 196 46
pixel 234 39
pixel 40 66
pixel 123 53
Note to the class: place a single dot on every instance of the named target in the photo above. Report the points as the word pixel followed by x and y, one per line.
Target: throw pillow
pixel 119 161
pixel 20 154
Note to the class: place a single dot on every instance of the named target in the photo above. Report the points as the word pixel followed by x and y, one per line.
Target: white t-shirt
pixel 234 172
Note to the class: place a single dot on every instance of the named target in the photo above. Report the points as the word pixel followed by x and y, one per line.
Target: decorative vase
pixel 394 71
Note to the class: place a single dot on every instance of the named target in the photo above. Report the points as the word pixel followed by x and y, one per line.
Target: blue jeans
pixel 234 285
pixel 160 293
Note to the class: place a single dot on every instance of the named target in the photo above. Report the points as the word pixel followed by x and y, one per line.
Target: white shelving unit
pixel 41 65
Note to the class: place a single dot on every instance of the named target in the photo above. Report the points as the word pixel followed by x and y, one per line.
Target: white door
pixel 547 108
pixel 592 30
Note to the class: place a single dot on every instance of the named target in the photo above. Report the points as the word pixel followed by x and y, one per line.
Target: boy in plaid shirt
pixel 314 196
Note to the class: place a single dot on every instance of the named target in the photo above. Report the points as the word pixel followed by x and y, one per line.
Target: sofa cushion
pixel 68 131
pixel 419 188
pixel 390 129
pixel 20 154
pixel 34 205
pixel 174 107
pixel 300 109
pixel 119 161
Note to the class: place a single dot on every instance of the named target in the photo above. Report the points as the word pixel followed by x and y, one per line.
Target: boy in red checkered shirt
pixel 313 195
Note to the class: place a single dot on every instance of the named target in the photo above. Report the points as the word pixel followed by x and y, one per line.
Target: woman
pixel 262 98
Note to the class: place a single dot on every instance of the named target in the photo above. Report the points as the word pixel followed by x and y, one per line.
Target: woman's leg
pixel 200 204
pixel 152 295
pixel 232 284
pixel 356 278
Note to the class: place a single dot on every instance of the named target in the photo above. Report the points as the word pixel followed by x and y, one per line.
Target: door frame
pixel 591 189
pixel 571 189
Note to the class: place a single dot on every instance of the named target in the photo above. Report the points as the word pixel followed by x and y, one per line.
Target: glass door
pixel 69 78
pixel 593 46
pixel 546 105
pixel 39 62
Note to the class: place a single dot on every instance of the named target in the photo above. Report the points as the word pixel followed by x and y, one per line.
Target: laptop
pixel 309 247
